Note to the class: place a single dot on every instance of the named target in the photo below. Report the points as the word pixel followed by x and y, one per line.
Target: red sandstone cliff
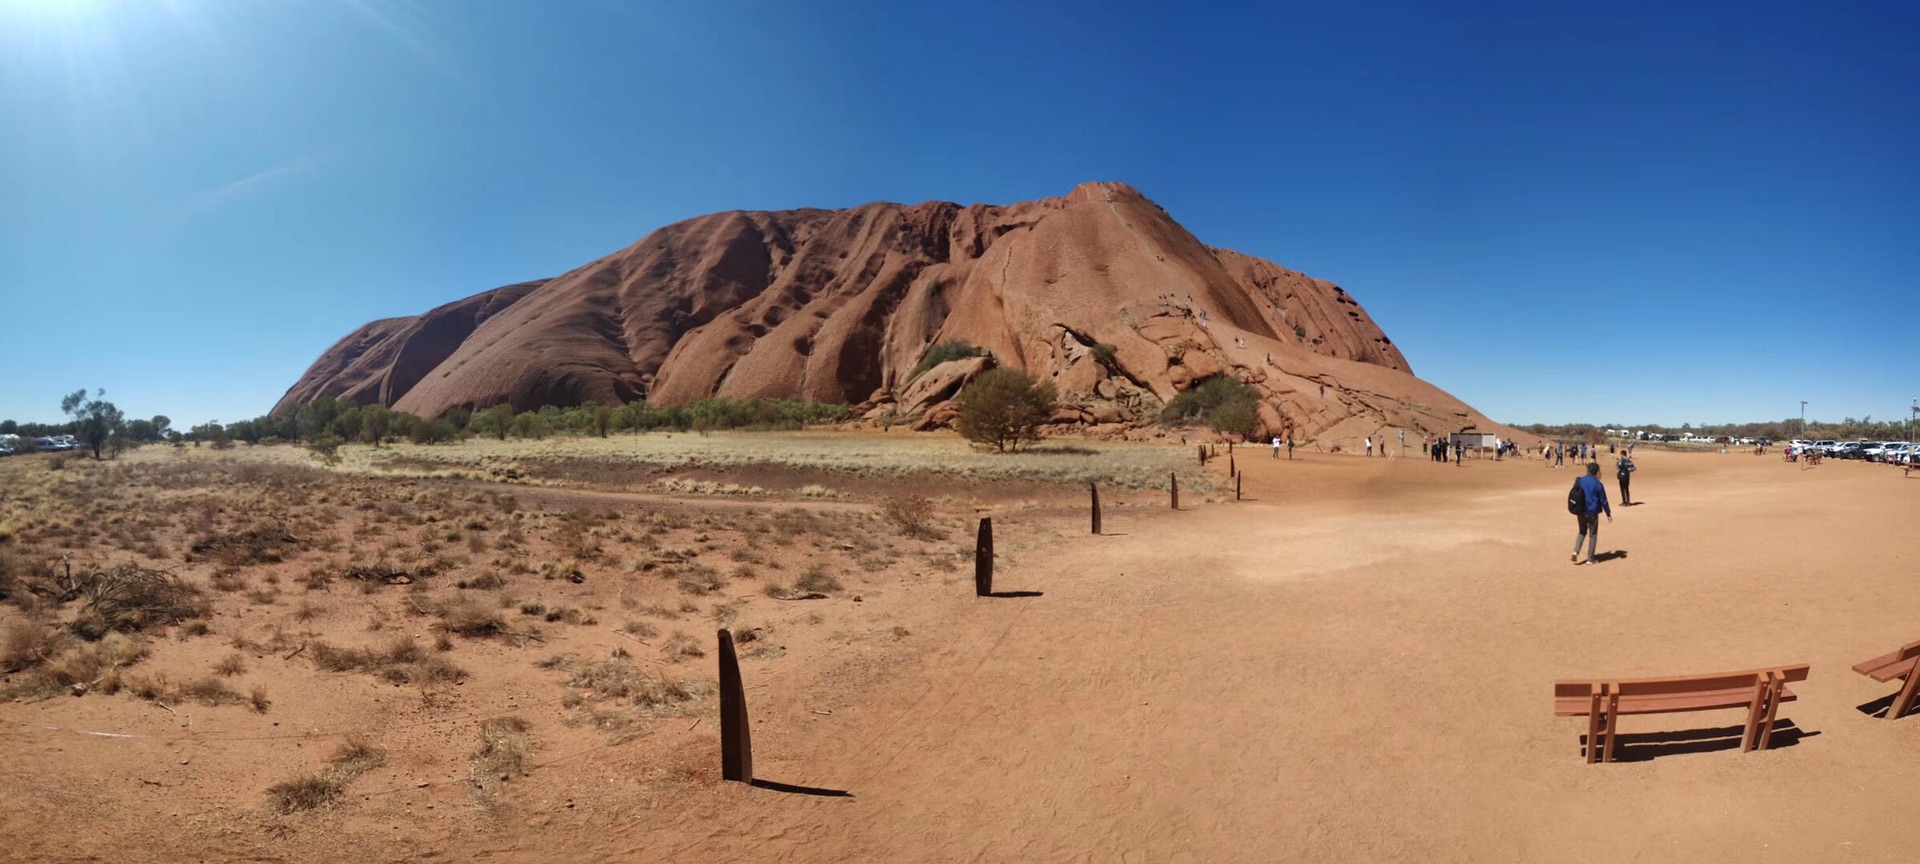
pixel 840 305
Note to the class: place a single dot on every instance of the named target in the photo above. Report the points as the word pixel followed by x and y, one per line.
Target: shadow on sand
pixel 1604 557
pixel 1008 595
pixel 1646 746
pixel 791 789
pixel 1878 707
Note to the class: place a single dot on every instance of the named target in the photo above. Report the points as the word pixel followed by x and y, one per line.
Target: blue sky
pixel 1561 212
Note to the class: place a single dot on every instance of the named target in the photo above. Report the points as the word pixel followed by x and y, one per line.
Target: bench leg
pixel 1594 709
pixel 1776 683
pixel 1903 704
pixel 1754 708
pixel 1612 724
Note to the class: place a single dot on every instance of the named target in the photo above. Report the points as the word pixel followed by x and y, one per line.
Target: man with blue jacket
pixel 1590 520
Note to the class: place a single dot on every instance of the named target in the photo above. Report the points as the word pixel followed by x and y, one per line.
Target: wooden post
pixel 1236 487
pixel 1232 469
pixel 983 559
pixel 1202 449
pixel 736 740
pixel 1173 487
pixel 1094 492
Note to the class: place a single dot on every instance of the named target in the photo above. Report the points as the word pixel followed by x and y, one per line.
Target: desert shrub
pixel 485 582
pixel 680 646
pixel 402 661
pixel 1239 417
pixel 210 691
pixel 1005 408
pixel 303 793
pixel 432 432
pixel 28 643
pixel 231 665
pixel 912 514
pixel 503 746
pixel 258 545
pixel 327 447
pixel 1223 403
pixel 1105 355
pixel 817 581
pixel 465 617
pixel 952 349
pixel 617 678
pixel 130 599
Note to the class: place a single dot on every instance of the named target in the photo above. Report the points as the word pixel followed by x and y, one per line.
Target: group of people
pixel 1587 501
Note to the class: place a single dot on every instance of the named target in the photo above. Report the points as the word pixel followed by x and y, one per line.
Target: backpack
pixel 1577 500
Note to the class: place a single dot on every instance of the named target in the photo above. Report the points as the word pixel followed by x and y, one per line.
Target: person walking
pixel 1592 502
pixel 1276 446
pixel 1289 448
pixel 1559 455
pixel 1369 445
pixel 1625 473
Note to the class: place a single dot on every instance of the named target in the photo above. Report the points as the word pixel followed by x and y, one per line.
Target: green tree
pixel 496 420
pixel 1005 408
pixel 430 432
pixel 9 427
pixel 346 427
pixel 162 426
pixel 376 423
pixel 602 420
pixel 316 417
pixel 96 420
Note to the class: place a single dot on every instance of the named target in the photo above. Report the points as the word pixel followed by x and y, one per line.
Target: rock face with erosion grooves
pixel 841 305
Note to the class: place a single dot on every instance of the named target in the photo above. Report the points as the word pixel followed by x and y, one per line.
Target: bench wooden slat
pixel 1740 697
pixel 1899 664
pixel 1887 667
pixel 1705 701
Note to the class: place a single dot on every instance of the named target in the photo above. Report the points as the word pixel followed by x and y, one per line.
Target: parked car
pixel 5 450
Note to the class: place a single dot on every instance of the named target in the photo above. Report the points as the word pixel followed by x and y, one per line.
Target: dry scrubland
pixel 451 618
pixel 398 659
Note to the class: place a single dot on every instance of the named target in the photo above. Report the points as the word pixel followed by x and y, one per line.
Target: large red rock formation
pixel 841 305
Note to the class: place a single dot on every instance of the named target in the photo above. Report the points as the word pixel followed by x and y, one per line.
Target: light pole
pixel 1803 419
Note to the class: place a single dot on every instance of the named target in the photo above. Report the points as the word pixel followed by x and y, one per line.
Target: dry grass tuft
pixel 913 515
pixel 354 758
pixel 51 662
pixel 504 746
pixel 818 581
pixel 680 647
pixel 464 616
pixel 233 664
pixel 260 545
pixel 401 660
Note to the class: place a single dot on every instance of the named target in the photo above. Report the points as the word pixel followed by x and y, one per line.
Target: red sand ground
pixel 1353 666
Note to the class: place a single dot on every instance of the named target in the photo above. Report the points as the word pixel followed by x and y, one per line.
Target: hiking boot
pixel 1575 558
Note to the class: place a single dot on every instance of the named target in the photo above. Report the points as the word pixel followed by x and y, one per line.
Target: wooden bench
pixel 1602 702
pixel 1899 664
